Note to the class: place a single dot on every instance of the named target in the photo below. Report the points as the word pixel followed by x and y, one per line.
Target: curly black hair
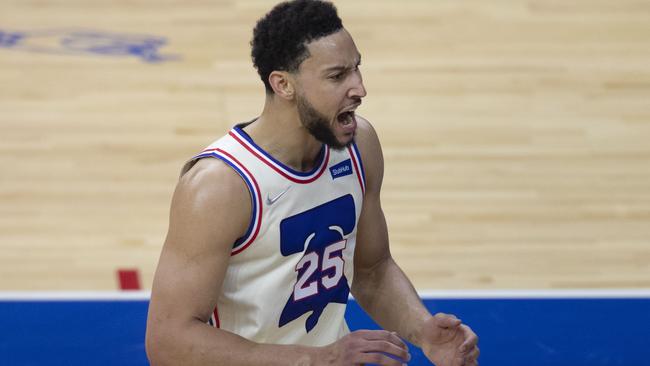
pixel 280 37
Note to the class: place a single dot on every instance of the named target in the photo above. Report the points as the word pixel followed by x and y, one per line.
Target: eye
pixel 337 77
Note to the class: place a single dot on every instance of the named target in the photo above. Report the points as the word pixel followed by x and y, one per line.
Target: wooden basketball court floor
pixel 516 134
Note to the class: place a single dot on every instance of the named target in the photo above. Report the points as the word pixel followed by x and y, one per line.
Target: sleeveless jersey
pixel 289 276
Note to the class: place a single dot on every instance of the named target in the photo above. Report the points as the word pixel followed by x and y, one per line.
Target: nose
pixel 357 90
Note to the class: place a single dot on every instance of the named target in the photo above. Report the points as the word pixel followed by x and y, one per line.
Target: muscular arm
pixel 380 286
pixel 385 292
pixel 207 215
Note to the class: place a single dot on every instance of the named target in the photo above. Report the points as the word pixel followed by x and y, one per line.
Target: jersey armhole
pixel 253 189
pixel 358 165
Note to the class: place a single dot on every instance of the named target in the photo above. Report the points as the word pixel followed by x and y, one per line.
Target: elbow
pixel 169 343
pixel 152 345
pixel 157 346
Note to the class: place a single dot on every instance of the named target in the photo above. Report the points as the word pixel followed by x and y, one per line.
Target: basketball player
pixel 273 225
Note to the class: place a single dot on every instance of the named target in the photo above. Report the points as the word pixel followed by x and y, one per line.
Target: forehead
pixel 337 49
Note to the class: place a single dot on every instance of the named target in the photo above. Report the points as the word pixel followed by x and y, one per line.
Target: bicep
pixel 372 236
pixel 205 220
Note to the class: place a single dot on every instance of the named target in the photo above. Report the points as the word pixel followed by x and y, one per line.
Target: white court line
pixel 535 294
pixel 74 295
pixel 425 294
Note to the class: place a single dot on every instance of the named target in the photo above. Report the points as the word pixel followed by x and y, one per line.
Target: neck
pixel 280 133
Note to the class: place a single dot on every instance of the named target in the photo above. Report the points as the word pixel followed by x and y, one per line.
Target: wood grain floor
pixel 516 135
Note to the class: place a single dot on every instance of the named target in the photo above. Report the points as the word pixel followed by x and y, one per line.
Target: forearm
pixel 388 296
pixel 197 343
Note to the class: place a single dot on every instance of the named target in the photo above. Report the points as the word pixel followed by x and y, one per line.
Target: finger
pixel 388 349
pixel 374 335
pixel 472 356
pixel 462 362
pixel 447 320
pixel 471 339
pixel 378 359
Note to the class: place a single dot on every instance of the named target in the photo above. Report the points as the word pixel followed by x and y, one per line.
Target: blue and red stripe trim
pixel 254 189
pixel 215 318
pixel 291 174
pixel 358 165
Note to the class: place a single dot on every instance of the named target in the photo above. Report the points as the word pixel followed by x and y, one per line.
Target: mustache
pixel 356 102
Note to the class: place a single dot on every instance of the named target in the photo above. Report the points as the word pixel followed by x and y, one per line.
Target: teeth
pixel 345 118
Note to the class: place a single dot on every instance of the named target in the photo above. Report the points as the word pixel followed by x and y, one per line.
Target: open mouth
pixel 346 118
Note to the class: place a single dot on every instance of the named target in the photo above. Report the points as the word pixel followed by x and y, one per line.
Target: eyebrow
pixel 342 67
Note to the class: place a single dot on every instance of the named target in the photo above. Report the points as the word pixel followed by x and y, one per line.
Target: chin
pixel 343 142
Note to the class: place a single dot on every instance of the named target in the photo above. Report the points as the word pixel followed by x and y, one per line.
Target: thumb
pixel 447 320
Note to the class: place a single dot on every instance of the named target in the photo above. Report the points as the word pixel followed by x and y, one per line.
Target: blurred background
pixel 515 134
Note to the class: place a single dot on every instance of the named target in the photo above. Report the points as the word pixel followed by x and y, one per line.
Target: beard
pixel 317 124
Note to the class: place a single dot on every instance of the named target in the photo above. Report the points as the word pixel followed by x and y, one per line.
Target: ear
pixel 282 84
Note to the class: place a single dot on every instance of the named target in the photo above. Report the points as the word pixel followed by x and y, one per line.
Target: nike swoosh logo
pixel 271 200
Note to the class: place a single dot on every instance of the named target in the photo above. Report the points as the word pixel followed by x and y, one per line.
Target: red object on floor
pixel 129 279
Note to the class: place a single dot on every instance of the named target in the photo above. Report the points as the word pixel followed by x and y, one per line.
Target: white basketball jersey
pixel 288 277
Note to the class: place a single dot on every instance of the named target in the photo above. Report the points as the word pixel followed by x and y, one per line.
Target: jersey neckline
pixel 288 172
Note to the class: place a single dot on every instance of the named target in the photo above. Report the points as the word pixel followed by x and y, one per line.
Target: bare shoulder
pixel 366 136
pixel 211 179
pixel 211 196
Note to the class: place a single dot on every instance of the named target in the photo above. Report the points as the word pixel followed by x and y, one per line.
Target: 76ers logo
pixel 320 272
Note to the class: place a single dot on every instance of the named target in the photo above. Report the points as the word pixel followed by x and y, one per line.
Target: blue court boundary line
pixel 579 327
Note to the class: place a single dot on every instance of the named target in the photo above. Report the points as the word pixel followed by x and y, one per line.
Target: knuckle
pixel 355 344
pixel 384 333
pixel 384 346
pixel 357 333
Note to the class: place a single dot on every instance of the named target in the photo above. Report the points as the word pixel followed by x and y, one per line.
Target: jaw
pixel 343 134
pixel 337 131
